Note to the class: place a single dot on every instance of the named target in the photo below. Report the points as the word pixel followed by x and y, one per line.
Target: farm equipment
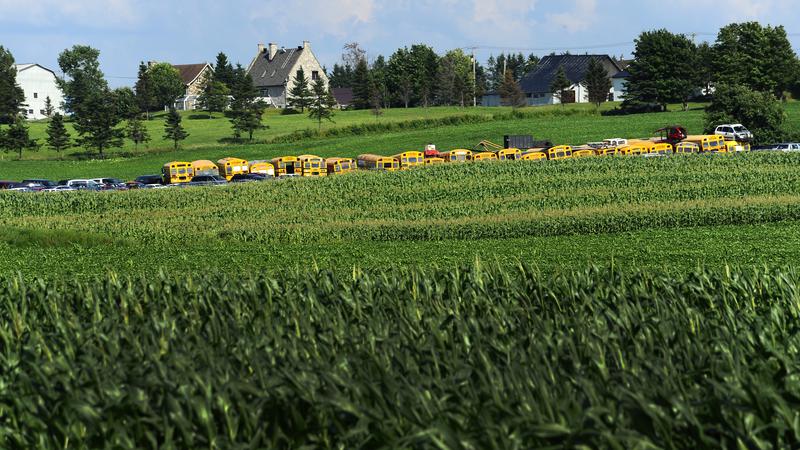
pixel 672 134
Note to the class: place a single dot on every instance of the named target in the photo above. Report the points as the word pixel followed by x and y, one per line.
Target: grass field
pixel 575 124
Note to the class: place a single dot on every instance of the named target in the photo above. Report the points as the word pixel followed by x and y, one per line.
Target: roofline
pixel 31 65
pixel 200 73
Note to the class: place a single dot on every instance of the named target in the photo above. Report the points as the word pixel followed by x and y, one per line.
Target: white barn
pixel 38 82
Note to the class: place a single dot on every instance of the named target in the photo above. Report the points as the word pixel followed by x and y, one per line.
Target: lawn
pixel 575 124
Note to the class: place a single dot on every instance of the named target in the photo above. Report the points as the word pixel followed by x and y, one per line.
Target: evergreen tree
pixel 125 100
pixel 560 85
pixel 16 138
pixel 137 132
pixel 247 111
pixel 375 99
pixel 400 76
pixel 300 95
pixel 597 82
pixel 424 66
pixel 510 92
pixel 454 79
pixel 361 85
pixel 173 130
pixel 57 136
pixel 322 104
pixel 223 71
pixel 12 97
pixel 48 107
pixel 88 98
pixel 379 77
pixel 214 96
pixel 664 70
pixel 341 76
pixel 144 91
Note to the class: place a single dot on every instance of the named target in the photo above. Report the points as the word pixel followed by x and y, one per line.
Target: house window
pixel 314 75
pixel 35 95
pixel 41 111
pixel 30 111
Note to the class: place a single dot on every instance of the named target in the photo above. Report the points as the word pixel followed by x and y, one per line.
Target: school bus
pixel 559 152
pixel 312 166
pixel 606 151
pixel 662 149
pixel 262 167
pixel 410 159
pixel 511 154
pixel 534 154
pixel 204 167
pixel 736 147
pixel 286 165
pixel 337 166
pixel 635 148
pixel 708 143
pixel 484 156
pixel 228 167
pixel 434 160
pixel 583 152
pixel 377 162
pixel 177 172
pixel 458 155
pixel 686 148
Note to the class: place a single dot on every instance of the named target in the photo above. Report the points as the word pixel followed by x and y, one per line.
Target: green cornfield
pixel 474 358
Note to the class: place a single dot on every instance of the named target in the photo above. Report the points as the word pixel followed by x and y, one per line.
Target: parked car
pixel 149 179
pixel 204 180
pixel 87 185
pixel 46 184
pixel 250 177
pixel 5 184
pixel 111 183
pixel 60 189
pixel 787 147
pixel 734 132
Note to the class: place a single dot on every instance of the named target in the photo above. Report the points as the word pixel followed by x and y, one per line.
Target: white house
pixel 38 82
pixel 273 70
pixel 536 84
pixel 620 84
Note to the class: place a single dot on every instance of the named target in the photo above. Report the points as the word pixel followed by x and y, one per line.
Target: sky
pixel 183 32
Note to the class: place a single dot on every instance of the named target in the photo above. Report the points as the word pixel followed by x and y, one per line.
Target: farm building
pixel 38 83
pixel 536 84
pixel 343 96
pixel 273 70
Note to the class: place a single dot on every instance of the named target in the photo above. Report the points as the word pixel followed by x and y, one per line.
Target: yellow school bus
pixel 286 165
pixel 228 167
pixel 509 154
pixel 457 155
pixel 534 154
pixel 606 151
pixel 312 166
pixel 708 143
pixel 583 152
pixel 204 167
pixel 177 172
pixel 662 149
pixel 559 152
pixel 338 166
pixel 262 167
pixel 736 147
pixel 410 159
pixel 686 148
pixel 434 160
pixel 635 148
pixel 377 162
pixel 484 156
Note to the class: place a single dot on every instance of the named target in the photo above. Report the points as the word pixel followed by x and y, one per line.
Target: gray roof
pixel 540 78
pixel 623 74
pixel 276 72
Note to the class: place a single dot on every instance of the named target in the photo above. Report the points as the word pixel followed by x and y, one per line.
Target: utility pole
pixel 474 80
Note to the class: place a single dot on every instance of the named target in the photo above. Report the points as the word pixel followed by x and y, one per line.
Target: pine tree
pixel 322 104
pixel 300 96
pixel 48 107
pixel 597 82
pixel 12 97
pixel 144 91
pixel 560 84
pixel 137 132
pixel 173 130
pixel 223 71
pixel 214 96
pixel 247 111
pixel 17 139
pixel 510 91
pixel 57 136
pixel 361 85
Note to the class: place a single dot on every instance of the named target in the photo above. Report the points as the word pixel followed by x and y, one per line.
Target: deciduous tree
pixel 759 111
pixel 166 84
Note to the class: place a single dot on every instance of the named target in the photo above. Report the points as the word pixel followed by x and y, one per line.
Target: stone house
pixel 273 70
pixel 38 83
pixel 193 77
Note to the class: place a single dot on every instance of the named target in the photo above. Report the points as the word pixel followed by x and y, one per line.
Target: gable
pixel 189 73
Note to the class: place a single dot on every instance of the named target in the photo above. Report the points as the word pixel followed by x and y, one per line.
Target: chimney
pixel 260 48
pixel 273 49
pixel 306 45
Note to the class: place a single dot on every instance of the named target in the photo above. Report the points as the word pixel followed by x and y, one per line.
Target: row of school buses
pixel 315 166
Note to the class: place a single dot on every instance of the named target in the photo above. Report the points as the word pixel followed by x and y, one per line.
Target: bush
pixel 289 112
pixel 760 112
